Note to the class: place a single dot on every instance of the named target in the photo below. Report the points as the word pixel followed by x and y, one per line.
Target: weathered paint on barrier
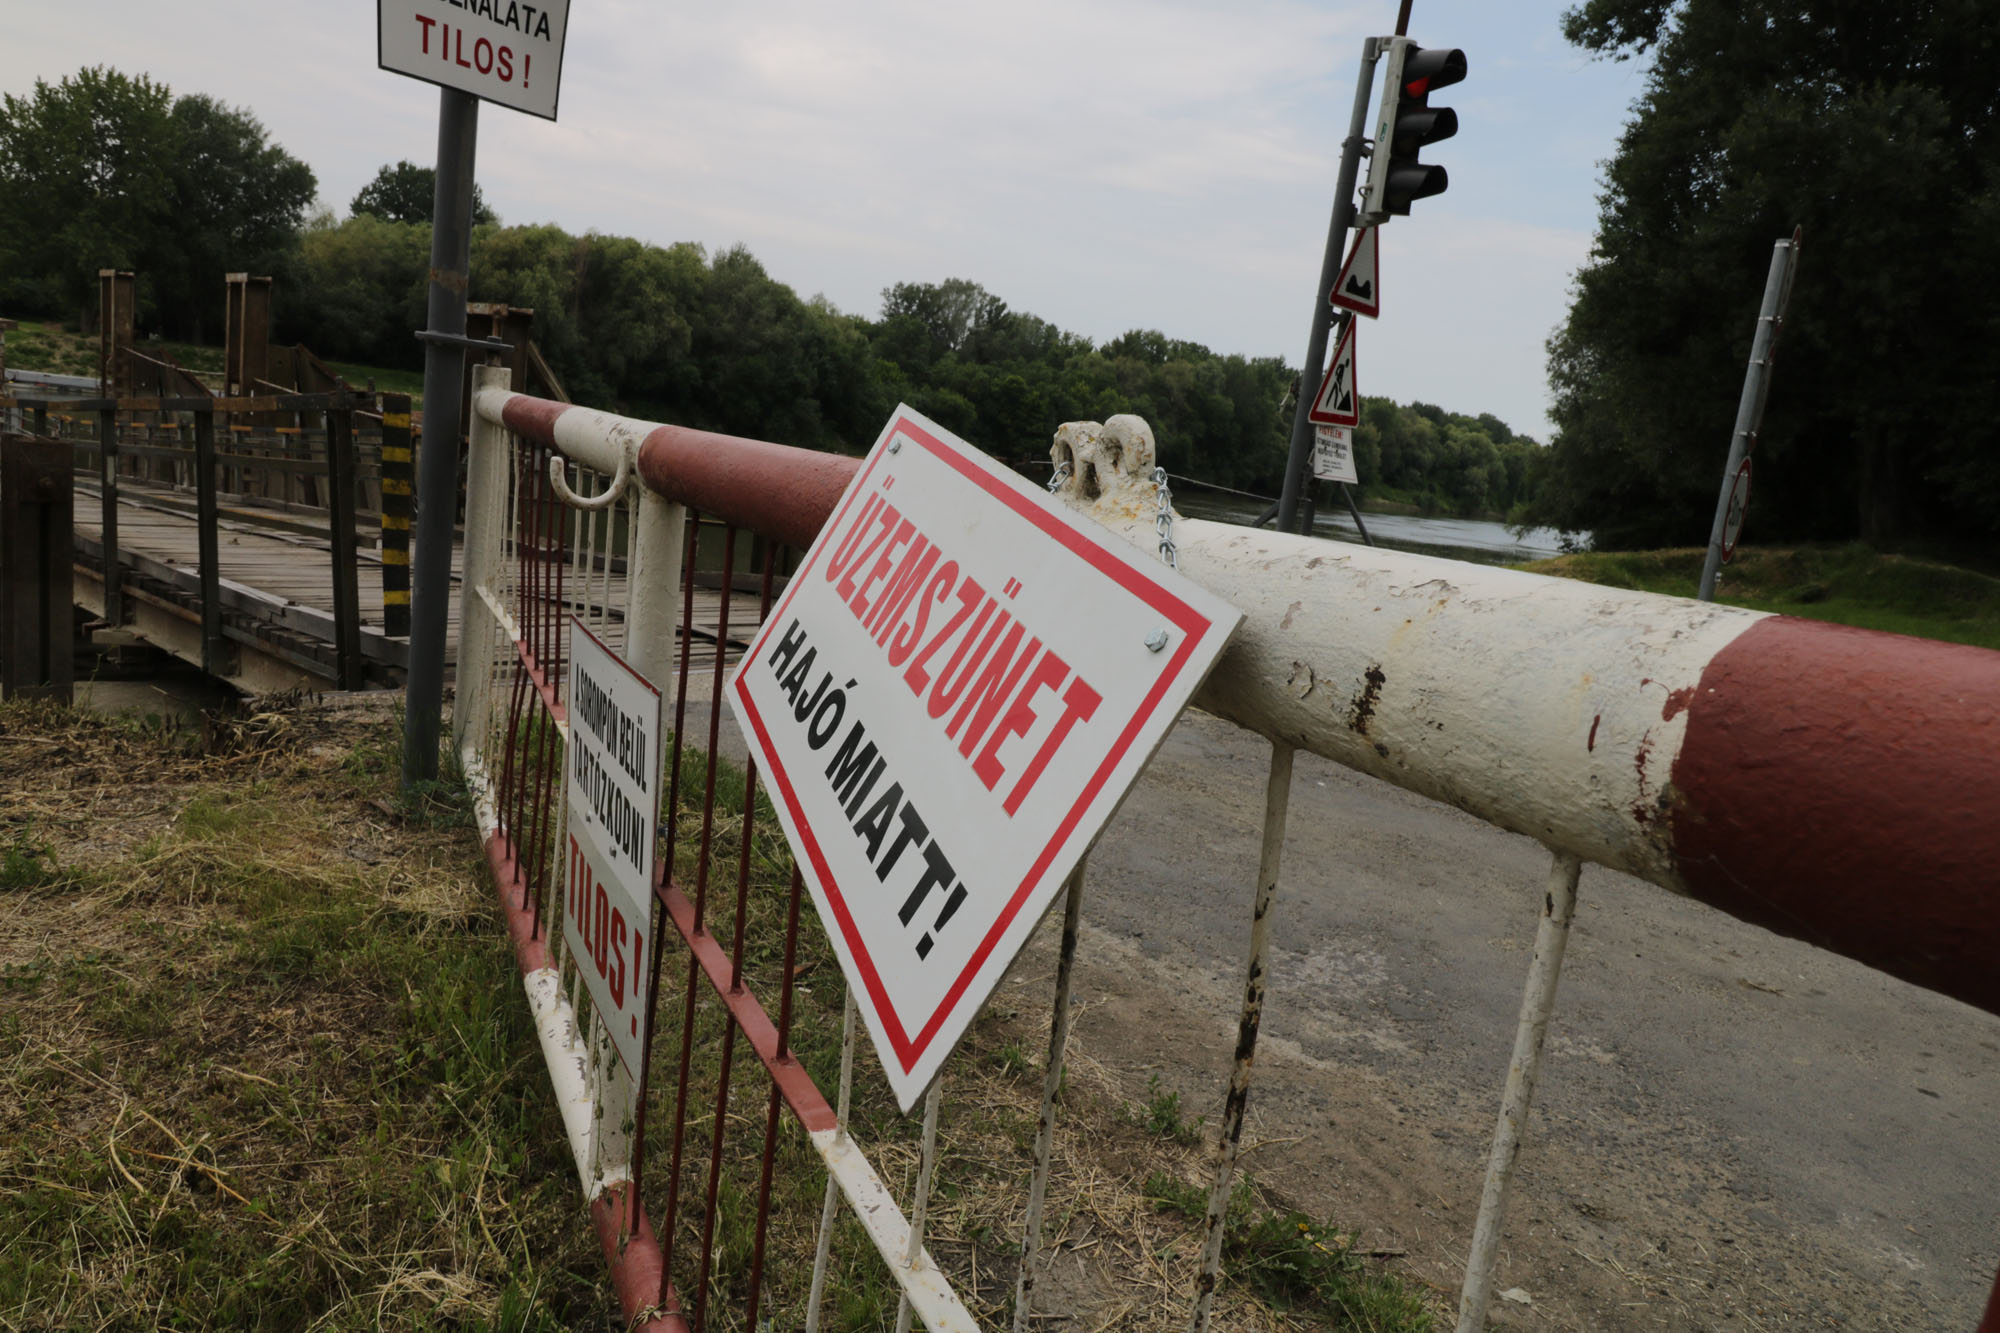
pixel 1837 785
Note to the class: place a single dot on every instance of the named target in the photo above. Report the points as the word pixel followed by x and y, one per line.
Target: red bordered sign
pixel 950 699
pixel 1339 400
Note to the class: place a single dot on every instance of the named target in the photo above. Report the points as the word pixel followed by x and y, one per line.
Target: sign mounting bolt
pixel 1156 640
pixel 896 445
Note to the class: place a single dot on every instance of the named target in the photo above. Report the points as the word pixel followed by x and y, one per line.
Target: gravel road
pixel 1734 1131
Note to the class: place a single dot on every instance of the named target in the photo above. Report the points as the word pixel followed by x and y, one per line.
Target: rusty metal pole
pixel 1045 1127
pixel 437 462
pixel 213 659
pixel 1538 1000
pixel 1277 800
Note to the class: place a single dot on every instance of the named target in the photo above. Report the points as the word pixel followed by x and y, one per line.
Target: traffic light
pixel 1408 122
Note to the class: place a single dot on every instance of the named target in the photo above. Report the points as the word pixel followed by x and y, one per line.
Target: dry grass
pixel 264 1063
pixel 254 1028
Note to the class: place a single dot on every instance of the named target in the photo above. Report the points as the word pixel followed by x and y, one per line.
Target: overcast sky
pixel 1105 164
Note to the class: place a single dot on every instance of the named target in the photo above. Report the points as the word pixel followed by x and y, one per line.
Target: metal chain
pixel 1163 522
pixel 1062 474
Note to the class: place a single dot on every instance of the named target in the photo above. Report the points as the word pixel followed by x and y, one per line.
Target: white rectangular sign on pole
pixel 1333 454
pixel 613 769
pixel 950 699
pixel 500 51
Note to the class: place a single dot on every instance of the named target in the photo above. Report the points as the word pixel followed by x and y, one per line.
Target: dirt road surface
pixel 1733 1131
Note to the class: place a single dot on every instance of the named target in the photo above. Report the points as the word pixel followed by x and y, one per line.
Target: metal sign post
pixel 511 56
pixel 437 447
pixel 1722 534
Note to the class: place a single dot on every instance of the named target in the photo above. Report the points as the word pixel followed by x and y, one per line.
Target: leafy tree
pixel 1875 129
pixel 85 183
pixel 102 170
pixel 407 192
pixel 237 203
pixel 361 291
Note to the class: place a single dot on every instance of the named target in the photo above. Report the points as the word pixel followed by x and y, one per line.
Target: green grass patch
pixel 265 1063
pixel 1849 585
pixel 1297 1264
pixel 268 1066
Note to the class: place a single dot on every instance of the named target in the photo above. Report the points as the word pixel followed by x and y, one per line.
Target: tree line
pixel 672 332
pixel 1876 128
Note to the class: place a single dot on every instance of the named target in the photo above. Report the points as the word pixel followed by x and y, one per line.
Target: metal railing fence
pixel 1601 722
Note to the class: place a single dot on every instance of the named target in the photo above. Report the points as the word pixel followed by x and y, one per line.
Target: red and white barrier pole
pixel 1838 785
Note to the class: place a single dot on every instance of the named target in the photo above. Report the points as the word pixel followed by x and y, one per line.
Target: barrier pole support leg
pixel 1045 1128
pixel 1537 1001
pixel 1277 798
pixel 926 1169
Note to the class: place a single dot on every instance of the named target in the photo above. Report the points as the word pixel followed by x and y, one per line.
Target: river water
pixel 1461 538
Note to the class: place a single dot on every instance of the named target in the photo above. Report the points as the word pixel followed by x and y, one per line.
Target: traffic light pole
pixel 1329 273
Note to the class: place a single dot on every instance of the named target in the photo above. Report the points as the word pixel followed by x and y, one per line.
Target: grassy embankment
pixel 1850 585
pixel 265 1063
pixel 54 349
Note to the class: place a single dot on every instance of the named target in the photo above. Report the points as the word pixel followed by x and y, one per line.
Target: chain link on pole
pixel 1163 521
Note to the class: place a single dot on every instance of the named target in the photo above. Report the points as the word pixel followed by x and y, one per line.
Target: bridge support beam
pixel 36 519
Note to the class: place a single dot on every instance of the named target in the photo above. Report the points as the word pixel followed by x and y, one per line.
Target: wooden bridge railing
pixel 272 473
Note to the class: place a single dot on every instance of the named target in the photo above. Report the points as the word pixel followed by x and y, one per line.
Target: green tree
pixel 1875 129
pixel 237 204
pixel 406 192
pixel 85 183
pixel 361 290
pixel 102 170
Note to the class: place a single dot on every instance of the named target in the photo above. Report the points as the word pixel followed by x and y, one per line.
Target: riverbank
pixel 1849 585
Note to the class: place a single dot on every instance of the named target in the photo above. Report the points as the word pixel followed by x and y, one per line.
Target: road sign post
pixel 1333 454
pixel 1338 402
pixel 949 701
pixel 512 55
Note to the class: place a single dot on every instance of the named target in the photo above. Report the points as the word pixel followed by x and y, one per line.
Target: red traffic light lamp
pixel 1407 124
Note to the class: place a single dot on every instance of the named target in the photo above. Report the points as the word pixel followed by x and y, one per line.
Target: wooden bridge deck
pixel 276 582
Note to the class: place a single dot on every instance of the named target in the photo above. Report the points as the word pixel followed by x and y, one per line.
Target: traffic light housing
pixel 1407 124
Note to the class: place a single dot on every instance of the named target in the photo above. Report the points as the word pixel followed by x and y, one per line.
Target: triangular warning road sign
pixel 1339 401
pixel 1359 286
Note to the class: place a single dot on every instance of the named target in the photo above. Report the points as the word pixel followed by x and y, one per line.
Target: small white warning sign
pixel 614 767
pixel 1339 401
pixel 1359 286
pixel 1333 454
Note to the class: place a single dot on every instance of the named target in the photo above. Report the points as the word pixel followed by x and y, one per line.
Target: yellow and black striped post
pixel 398 475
